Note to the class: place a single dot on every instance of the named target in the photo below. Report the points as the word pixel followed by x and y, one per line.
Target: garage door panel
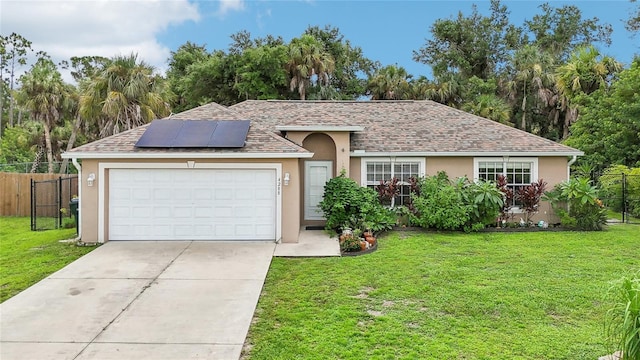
pixel 161 212
pixel 192 204
pixel 224 194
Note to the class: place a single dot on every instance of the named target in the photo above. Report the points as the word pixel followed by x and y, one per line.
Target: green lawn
pixel 27 257
pixel 532 295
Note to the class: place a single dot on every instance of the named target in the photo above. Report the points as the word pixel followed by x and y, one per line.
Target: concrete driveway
pixel 140 300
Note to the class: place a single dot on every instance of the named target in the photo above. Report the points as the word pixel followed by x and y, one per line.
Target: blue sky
pixel 387 31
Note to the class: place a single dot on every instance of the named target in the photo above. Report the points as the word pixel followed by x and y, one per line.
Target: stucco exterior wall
pixel 553 170
pixel 290 224
pixel 455 167
pixel 341 143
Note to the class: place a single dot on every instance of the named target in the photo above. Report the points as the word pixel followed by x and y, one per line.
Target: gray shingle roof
pixel 403 126
pixel 258 140
pixel 421 127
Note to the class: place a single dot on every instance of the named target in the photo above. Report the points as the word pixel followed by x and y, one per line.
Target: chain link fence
pixel 50 202
pixel 621 195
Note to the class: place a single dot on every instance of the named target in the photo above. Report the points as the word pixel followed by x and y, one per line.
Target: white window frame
pixel 506 160
pixel 422 164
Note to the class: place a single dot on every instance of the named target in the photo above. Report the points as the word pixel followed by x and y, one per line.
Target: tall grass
pixel 623 318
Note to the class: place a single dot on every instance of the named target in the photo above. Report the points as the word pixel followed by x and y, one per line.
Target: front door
pixel 316 174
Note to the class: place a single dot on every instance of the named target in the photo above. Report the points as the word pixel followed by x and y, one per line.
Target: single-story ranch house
pixel 209 174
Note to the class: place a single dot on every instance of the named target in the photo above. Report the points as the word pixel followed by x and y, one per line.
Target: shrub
pixel 576 203
pixel 623 318
pixel 507 196
pixel 347 204
pixel 530 197
pixel 440 205
pixel 486 202
pixel 388 190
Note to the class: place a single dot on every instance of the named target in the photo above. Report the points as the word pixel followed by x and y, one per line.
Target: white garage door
pixel 192 204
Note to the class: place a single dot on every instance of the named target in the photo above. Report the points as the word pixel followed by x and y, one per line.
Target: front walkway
pixel 311 243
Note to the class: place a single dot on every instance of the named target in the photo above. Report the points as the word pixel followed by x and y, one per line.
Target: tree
pixel 448 90
pixel 533 75
pixel 585 72
pixel 350 63
pixel 180 61
pixel 491 107
pixel 559 31
pixel 18 145
pixel 13 53
pixel 260 72
pixel 609 123
pixel 633 23
pixel 124 95
pixel 307 59
pixel 44 92
pixel 474 45
pixel 389 83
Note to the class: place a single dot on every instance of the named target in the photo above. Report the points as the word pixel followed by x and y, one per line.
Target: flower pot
pixel 363 245
pixel 371 240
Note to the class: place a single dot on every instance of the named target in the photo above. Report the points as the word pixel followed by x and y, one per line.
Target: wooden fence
pixel 15 192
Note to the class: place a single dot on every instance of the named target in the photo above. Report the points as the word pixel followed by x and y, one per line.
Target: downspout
pixel 571 162
pixel 75 163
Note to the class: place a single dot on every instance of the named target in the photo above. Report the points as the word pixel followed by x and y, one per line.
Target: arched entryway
pixel 316 172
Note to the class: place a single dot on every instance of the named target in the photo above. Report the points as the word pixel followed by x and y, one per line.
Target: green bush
pixel 576 202
pixel 623 317
pixel 347 204
pixel 486 201
pixel 441 204
pixel 456 205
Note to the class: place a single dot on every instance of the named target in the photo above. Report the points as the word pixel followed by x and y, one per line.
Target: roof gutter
pixel 362 153
pixel 75 163
pixel 183 155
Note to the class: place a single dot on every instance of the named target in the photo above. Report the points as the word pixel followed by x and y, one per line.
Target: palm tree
pixel 532 76
pixel 43 92
pixel 124 95
pixel 585 72
pixel 307 58
pixel 418 89
pixel 389 83
pixel 491 107
pixel 447 90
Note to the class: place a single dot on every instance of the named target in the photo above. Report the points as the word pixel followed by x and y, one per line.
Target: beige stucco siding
pixel 290 225
pixel 455 167
pixel 340 142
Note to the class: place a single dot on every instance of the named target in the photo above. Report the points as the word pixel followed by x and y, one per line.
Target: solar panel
pixel 167 133
pixel 195 133
pixel 230 134
pixel 159 133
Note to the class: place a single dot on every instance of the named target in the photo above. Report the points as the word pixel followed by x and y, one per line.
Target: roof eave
pixel 318 128
pixel 184 155
pixel 357 153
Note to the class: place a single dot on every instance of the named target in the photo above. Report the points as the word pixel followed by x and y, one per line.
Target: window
pixel 376 169
pixel 520 172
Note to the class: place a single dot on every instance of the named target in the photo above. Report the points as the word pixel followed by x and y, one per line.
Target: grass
pixel 532 295
pixel 27 257
pixel 618 216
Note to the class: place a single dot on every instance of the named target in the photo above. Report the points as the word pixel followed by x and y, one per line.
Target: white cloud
pixel 65 28
pixel 230 5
